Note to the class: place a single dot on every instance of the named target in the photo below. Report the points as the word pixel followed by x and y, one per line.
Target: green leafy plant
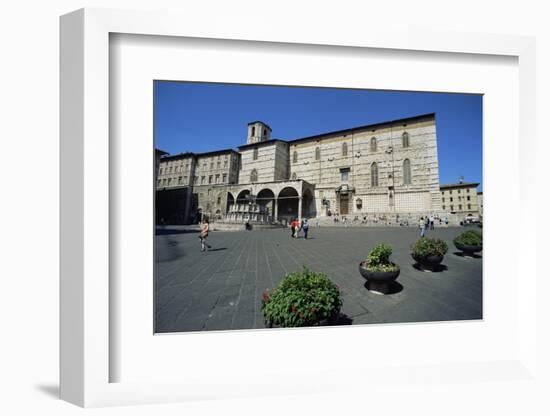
pixel 378 259
pixel 427 247
pixel 302 298
pixel 470 238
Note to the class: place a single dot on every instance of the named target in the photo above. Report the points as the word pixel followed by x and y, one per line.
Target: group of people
pixel 428 223
pixel 296 226
pixel 424 223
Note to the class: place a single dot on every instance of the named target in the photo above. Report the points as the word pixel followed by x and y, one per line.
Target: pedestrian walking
pixel 292 225
pixel 422 225
pixel 431 222
pixel 205 228
pixel 305 227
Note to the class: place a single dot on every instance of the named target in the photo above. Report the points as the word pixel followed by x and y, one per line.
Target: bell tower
pixel 258 131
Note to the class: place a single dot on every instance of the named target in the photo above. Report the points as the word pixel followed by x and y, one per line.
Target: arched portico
pixel 282 198
pixel 266 198
pixel 230 201
pixel 288 204
pixel 243 196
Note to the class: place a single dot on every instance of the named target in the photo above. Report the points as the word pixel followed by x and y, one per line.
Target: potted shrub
pixel 469 242
pixel 302 298
pixel 429 252
pixel 378 270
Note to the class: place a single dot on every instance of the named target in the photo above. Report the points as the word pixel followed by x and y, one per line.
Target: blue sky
pixel 200 117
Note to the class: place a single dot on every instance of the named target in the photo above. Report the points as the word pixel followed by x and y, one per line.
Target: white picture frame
pixel 87 356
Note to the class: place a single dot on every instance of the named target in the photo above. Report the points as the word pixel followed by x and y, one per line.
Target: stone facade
pixel 387 169
pixel 461 199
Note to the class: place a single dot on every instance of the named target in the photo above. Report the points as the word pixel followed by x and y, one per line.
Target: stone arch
pixel 242 197
pixel 287 203
pixel 266 198
pixel 230 201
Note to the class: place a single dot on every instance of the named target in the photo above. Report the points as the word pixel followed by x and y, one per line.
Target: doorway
pixel 344 204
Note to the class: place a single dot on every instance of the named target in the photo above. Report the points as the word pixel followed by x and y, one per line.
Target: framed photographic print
pixel 257 214
pixel 380 187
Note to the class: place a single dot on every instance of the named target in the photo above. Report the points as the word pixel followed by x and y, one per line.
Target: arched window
pixel 373 144
pixel 294 176
pixel 255 154
pixel 359 203
pixel 317 153
pixel 295 157
pixel 344 149
pixel 407 172
pixel 405 139
pixel 374 174
pixel 254 175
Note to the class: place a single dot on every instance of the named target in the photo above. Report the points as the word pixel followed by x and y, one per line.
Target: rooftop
pixel 265 142
pixel 167 156
pixel 192 154
pixel 459 185
pixel 365 127
pixel 260 121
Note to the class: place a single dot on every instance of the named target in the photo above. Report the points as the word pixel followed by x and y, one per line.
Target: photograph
pixel 290 206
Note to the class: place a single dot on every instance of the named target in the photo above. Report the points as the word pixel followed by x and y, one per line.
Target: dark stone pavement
pixel 221 289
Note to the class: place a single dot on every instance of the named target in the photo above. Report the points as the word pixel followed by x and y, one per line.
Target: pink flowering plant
pixel 303 298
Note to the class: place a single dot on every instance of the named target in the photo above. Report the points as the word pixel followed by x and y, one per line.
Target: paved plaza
pixel 221 289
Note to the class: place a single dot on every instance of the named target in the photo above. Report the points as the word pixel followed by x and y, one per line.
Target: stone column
pixel 300 209
pixel 275 210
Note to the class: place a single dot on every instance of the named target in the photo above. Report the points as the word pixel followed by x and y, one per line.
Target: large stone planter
pixel 429 263
pixel 378 282
pixel 469 251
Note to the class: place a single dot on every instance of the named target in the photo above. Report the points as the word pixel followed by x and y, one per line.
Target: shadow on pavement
pixel 466 256
pixel 341 319
pixel 436 269
pixel 394 287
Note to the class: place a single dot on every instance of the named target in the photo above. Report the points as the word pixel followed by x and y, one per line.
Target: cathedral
pixel 385 170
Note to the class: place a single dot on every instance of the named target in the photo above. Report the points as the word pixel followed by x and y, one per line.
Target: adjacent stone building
pixel 384 170
pixel 461 199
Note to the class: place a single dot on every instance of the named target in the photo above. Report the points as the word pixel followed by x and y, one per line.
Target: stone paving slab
pixel 221 289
